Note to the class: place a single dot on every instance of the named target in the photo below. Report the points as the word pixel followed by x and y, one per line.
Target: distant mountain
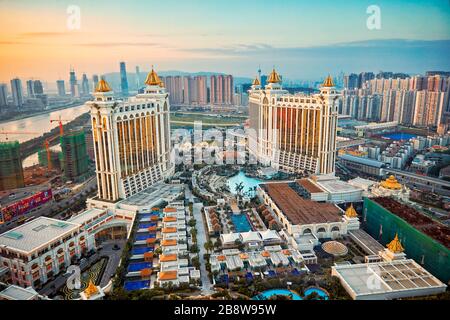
pixel 113 78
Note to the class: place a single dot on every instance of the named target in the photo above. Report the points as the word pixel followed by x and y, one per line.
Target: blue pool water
pixel 136 285
pixel 399 136
pixel 319 291
pixel 265 295
pixel 138 266
pixel 241 222
pixel 141 250
pixel 248 182
pixel 144 236
pixel 145 225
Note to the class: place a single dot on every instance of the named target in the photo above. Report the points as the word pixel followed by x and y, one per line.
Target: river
pixel 36 126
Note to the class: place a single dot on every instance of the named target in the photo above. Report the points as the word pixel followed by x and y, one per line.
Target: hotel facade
pixel 131 139
pixel 293 133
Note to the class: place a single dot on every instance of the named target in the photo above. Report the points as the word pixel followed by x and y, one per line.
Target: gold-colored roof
pixel 391 183
pixel 103 86
pixel 351 212
pixel 328 82
pixel 395 245
pixel 274 77
pixel 256 82
pixel 153 79
pixel 90 290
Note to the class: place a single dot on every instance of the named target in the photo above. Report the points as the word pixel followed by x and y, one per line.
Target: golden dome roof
pixel 103 86
pixel 91 289
pixel 395 246
pixel 152 79
pixel 328 82
pixel 256 82
pixel 391 183
pixel 351 212
pixel 274 77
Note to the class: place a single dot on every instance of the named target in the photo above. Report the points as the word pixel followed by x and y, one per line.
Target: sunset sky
pixel 304 39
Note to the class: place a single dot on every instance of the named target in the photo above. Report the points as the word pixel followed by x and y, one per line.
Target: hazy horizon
pixel 304 40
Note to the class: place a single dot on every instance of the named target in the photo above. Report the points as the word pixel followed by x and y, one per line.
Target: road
pixel 46 209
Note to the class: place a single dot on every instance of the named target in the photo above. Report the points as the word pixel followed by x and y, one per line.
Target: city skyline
pixel 407 40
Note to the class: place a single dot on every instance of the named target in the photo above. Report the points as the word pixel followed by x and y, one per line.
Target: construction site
pixel 11 172
pixel 425 240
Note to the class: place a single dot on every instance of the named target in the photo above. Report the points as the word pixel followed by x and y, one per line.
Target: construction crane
pixel 60 121
pixel 49 154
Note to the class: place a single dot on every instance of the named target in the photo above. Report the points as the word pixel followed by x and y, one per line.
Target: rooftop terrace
pixel 299 210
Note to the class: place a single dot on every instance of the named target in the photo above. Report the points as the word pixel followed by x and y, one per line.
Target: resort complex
pixel 295 224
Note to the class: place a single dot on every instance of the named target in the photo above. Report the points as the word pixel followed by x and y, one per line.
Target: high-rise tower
pixel 131 139
pixel 16 89
pixel 73 83
pixel 293 133
pixel 123 79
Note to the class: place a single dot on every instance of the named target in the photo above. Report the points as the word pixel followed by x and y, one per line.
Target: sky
pixel 303 39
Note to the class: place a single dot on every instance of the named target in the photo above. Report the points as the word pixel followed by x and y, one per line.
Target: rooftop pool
pixel 399 136
pixel 241 222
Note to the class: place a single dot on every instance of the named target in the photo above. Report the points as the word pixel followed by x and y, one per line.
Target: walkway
pixel 201 240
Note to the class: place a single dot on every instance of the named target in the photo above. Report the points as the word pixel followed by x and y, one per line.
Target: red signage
pixel 25 205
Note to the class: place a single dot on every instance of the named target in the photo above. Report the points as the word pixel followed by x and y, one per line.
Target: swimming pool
pixel 144 236
pixel 265 295
pixel 141 250
pixel 320 292
pixel 136 285
pixel 241 222
pixel 138 266
pixel 399 136
pixel 248 182
pixel 146 225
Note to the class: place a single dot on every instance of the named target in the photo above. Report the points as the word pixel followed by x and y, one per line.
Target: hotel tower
pixel 131 139
pixel 293 133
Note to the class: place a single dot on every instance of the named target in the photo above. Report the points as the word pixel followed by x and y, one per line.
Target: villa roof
pixel 168 257
pixel 167 275
pixel 146 272
pixel 150 240
pixel 250 236
pixel 169 219
pixel 170 209
pixel 169 230
pixel 265 254
pixel 169 242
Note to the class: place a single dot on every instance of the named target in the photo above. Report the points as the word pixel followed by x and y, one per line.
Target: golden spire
pixel 351 212
pixel 328 82
pixel 274 77
pixel 90 290
pixel 103 86
pixel 391 183
pixel 256 82
pixel 395 246
pixel 153 79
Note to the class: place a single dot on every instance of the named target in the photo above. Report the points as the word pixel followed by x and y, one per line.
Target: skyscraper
pixel 37 87
pixel 293 133
pixel 138 78
pixel 94 82
pixel 73 83
pixel 16 89
pixel 61 88
pixel 30 92
pixel 84 85
pixel 201 89
pixel 3 95
pixel 123 79
pixel 188 90
pixel 131 139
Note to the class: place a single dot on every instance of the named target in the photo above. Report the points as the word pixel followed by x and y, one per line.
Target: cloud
pixel 45 34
